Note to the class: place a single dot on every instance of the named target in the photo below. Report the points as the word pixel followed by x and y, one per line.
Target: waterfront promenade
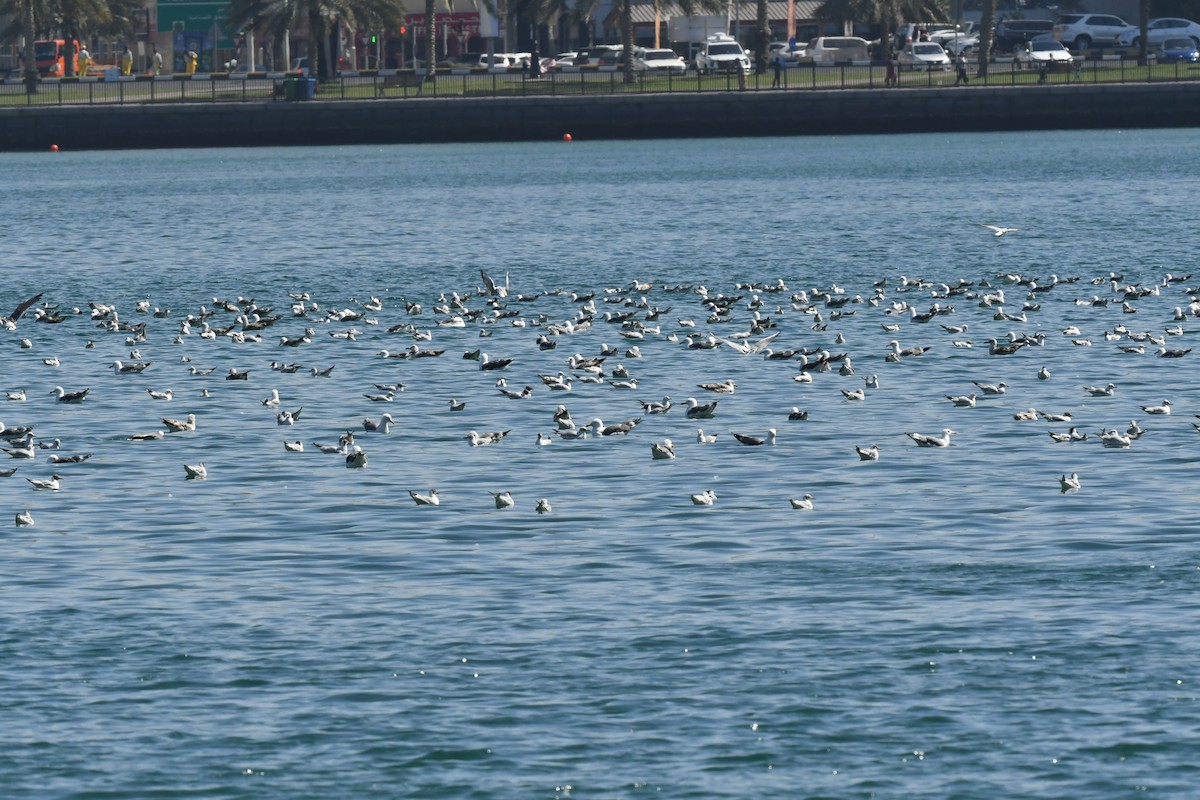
pixel 628 116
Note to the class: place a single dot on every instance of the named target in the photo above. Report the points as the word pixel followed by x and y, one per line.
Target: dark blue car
pixel 1175 51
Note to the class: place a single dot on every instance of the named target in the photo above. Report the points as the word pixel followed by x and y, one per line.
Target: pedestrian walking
pixel 776 82
pixel 890 78
pixel 127 61
pixel 156 63
pixel 961 76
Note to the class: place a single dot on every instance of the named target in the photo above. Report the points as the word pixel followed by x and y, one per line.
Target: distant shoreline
pixel 594 117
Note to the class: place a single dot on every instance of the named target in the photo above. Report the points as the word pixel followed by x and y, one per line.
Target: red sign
pixel 461 23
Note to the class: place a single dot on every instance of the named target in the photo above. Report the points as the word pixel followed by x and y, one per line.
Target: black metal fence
pixel 280 87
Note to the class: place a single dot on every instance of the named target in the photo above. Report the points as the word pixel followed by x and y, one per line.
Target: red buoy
pixel 53 148
pixel 566 137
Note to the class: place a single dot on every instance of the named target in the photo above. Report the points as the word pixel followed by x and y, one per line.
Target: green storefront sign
pixel 196 26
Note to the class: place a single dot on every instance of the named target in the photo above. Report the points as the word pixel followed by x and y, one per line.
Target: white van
pixel 831 49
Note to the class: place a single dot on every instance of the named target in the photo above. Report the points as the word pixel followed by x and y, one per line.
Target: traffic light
pixel 374 39
pixel 403 30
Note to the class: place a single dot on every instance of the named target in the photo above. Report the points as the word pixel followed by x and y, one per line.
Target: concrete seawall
pixel 646 116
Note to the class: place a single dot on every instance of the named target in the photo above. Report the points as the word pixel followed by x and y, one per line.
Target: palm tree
pixel 1143 35
pixel 74 16
pixel 276 17
pixel 26 23
pixel 884 12
pixel 987 28
pixel 762 37
pixel 585 10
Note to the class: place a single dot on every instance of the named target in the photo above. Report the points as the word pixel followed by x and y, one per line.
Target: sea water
pixel 944 622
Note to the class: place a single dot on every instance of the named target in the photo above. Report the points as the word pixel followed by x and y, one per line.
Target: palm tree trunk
pixel 627 40
pixel 987 25
pixel 1143 25
pixel 28 30
pixel 430 41
pixel 762 37
pixel 316 31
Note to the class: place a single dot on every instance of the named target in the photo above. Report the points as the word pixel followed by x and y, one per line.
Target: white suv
pixel 1085 31
pixel 721 52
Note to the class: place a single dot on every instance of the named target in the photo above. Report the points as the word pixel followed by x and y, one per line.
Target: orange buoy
pixel 566 137
pixel 53 148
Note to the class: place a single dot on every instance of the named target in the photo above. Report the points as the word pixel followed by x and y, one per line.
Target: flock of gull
pixel 160 354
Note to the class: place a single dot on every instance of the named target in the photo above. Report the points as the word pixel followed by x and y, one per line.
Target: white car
pixel 1085 31
pixel 1043 52
pixel 790 57
pixel 834 49
pixel 1159 30
pixel 961 44
pixel 721 53
pixel 924 56
pixel 658 60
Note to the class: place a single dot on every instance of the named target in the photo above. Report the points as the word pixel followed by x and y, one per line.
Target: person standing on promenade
pixel 961 76
pixel 777 64
pixel 189 62
pixel 127 61
pixel 85 61
pixel 156 63
pixel 890 78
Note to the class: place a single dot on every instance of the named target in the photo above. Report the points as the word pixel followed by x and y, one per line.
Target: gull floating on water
pixel 288 417
pixel 503 499
pixel 1101 391
pixel 929 440
pixel 868 453
pixel 1114 438
pixel 51 483
pixel 294 447
pixel 196 472
pixel 543 506
pixel 356 458
pixel 24 518
pixel 696 411
pixel 1069 482
pixel 998 230
pixel 476 439
pixel 1164 409
pixel 805 503
pixel 664 450
pixel 705 438
pixel 753 441
pixel 383 426
pixel 430 499
pixel 178 425
pixel 724 387
pixel 988 388
pixel 166 394
pixel 704 498
pixel 69 397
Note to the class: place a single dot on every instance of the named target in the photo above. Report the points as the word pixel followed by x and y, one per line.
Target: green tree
pixel 886 13
pixel 276 17
pixel 586 9
pixel 73 17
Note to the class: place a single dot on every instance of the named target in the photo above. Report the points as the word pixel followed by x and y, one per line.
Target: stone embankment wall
pixel 603 117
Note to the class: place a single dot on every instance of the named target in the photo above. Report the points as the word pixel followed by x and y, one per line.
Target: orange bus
pixel 50 57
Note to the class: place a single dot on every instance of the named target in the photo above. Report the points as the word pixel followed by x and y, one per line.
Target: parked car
pixel 1012 34
pixel 790 56
pixel 1044 52
pixel 1085 31
pixel 1159 30
pixel 721 53
pixel 962 44
pixel 658 60
pixel 924 56
pixel 592 56
pixel 832 49
pixel 1178 51
pixel 950 39
pixel 920 32
pixel 497 61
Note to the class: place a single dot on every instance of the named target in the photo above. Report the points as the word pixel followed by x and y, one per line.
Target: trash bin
pixel 289 88
pixel 306 88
